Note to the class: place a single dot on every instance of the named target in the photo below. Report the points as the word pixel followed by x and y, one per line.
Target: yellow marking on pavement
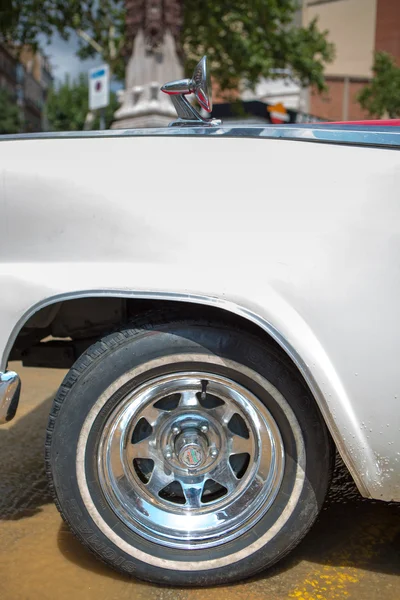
pixel 332 582
pixel 328 583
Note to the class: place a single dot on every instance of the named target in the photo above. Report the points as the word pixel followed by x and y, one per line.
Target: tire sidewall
pixel 129 364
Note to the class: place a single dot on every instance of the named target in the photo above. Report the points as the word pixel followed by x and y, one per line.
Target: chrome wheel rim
pixel 190 460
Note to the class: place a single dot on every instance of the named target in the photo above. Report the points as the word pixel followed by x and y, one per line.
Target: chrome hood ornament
pixel 200 86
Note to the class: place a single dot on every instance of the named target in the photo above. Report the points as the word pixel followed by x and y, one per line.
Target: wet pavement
pixel 353 551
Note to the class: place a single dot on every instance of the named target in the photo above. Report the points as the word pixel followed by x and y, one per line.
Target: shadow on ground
pixel 350 532
pixel 23 482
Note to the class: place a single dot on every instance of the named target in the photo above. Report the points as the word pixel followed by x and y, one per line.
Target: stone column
pixel 153 62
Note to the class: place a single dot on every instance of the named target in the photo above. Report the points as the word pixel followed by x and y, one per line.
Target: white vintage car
pixel 227 299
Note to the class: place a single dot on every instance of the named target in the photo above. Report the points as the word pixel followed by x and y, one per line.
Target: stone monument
pixel 153 31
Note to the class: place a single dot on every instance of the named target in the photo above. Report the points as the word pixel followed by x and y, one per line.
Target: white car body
pixel 301 236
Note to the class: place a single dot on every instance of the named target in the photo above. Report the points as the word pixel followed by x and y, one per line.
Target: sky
pixel 63 58
pixel 64 61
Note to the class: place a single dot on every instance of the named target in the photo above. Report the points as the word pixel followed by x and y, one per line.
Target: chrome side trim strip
pixel 223 305
pixel 354 135
pixel 10 387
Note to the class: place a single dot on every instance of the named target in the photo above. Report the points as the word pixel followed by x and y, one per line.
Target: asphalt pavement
pixel 352 552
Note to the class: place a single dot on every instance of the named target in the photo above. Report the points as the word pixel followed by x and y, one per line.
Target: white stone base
pixel 142 102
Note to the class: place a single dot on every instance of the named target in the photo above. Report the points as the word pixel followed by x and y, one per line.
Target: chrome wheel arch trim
pixel 225 306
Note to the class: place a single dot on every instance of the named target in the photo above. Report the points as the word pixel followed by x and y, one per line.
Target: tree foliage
pixel 250 39
pixel 382 95
pixel 10 119
pixel 244 39
pixel 23 20
pixel 99 24
pixel 67 106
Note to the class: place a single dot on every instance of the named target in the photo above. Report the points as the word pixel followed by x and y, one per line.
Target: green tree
pixel 10 120
pixel 244 39
pixel 67 106
pixel 382 95
pixel 249 39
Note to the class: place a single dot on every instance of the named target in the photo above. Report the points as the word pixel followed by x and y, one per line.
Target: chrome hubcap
pixel 190 460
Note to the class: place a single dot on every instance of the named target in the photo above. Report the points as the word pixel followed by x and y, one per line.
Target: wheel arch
pixel 226 309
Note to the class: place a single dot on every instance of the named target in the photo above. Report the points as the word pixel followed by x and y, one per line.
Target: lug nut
pixel 176 430
pixel 168 453
pixel 204 428
pixel 214 452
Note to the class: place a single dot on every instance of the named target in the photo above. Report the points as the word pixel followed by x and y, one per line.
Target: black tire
pixel 152 350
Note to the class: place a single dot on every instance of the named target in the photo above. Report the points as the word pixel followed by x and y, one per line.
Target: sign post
pixel 99 91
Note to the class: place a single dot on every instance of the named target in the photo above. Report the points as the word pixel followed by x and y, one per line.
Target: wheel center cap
pixel 191 448
pixel 191 455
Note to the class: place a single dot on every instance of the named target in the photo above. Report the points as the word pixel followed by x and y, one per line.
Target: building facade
pixel 358 28
pixel 27 77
